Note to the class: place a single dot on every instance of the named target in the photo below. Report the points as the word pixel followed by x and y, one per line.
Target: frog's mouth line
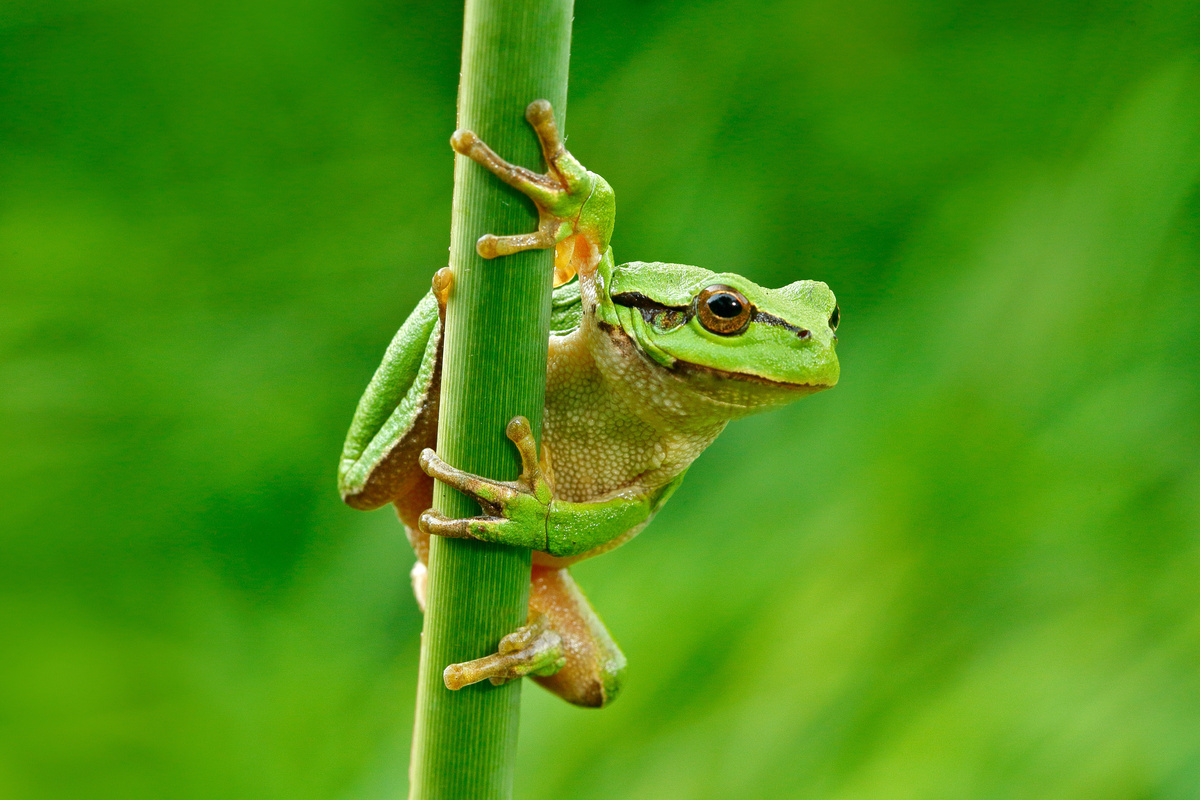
pixel 685 369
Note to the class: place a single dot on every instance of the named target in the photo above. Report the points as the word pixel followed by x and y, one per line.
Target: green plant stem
pixel 494 368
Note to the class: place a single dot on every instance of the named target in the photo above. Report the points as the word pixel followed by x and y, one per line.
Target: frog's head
pixel 739 343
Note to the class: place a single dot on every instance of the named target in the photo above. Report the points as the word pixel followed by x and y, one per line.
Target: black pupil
pixel 725 306
pixel 833 320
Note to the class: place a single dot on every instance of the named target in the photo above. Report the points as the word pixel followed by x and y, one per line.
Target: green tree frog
pixel 647 364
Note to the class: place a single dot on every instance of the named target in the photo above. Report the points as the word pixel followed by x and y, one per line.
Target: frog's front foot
pixel 515 512
pixel 533 649
pixel 570 200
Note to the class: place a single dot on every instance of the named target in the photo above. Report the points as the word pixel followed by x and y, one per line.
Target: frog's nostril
pixel 803 334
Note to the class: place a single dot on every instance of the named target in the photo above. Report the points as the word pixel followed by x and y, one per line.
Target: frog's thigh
pixel 592 674
pixel 409 508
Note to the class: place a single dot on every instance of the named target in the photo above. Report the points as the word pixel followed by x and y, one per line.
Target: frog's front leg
pixel 565 645
pixel 515 512
pixel 524 512
pixel 576 208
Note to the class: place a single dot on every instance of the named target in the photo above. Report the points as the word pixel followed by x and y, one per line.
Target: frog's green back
pixel 397 415
pixel 566 308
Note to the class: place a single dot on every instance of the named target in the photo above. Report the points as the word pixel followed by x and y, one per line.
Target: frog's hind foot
pixel 533 649
pixel 559 194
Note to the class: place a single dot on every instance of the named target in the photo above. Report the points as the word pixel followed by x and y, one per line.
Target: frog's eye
pixel 723 310
pixel 835 318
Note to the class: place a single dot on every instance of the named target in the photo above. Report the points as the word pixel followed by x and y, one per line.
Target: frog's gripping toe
pixel 484 529
pixel 559 193
pixel 533 649
pixel 515 512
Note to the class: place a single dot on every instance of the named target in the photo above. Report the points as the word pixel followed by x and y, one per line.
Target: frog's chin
pixel 741 393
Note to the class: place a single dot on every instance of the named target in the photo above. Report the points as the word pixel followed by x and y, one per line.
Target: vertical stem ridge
pixel 494 368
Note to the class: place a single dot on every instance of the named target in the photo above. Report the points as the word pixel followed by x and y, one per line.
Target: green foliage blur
pixel 970 571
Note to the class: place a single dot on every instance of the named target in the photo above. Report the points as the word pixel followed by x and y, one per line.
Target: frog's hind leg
pixel 564 647
pixel 408 509
pixel 594 665
pixel 532 649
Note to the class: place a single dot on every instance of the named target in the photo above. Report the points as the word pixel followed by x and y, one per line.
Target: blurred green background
pixel 970 571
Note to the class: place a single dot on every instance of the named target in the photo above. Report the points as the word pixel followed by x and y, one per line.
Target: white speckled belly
pixel 621 429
